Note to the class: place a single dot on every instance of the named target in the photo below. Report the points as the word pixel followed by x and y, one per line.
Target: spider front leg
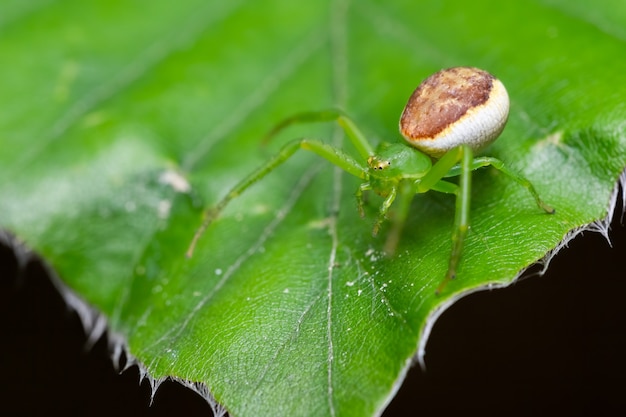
pixel 384 208
pixel 366 186
pixel 400 214
pixel 334 155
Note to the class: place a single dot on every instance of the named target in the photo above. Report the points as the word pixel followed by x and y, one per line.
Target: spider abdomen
pixel 453 107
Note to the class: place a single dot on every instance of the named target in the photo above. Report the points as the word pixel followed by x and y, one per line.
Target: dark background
pixel 550 345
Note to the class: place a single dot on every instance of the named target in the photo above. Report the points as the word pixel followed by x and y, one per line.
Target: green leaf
pixel 121 121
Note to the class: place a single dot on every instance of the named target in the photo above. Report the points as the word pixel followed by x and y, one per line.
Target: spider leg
pixel 449 166
pixel 366 186
pixel 433 181
pixel 400 214
pixel 500 166
pixel 461 216
pixel 334 155
pixel 485 161
pixel 352 131
pixel 384 208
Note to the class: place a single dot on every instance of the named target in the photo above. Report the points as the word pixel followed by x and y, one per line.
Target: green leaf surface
pixel 121 121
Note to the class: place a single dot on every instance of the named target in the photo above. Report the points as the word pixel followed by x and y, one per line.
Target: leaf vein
pixel 282 213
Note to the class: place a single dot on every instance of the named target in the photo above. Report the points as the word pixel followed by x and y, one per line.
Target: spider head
pixel 376 163
pixel 398 161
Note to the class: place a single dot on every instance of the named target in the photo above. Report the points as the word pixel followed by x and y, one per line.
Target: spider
pixel 452 114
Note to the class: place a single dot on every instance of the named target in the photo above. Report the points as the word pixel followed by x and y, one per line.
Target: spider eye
pixel 378 164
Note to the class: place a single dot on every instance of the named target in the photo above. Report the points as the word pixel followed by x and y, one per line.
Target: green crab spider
pixel 452 114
